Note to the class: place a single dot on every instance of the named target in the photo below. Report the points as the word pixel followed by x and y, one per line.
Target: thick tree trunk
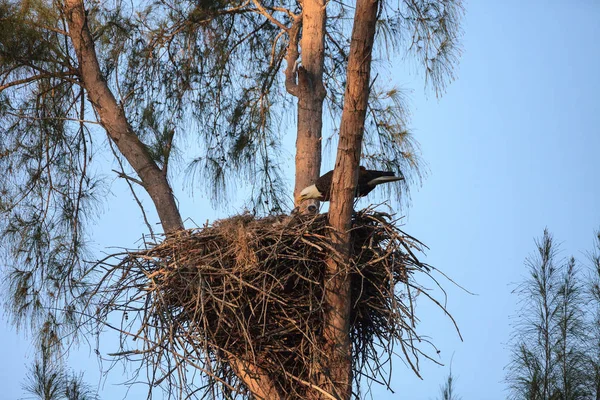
pixel 338 361
pixel 311 93
pixel 113 119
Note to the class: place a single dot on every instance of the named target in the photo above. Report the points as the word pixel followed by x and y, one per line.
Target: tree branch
pixel 127 177
pixel 292 55
pixel 262 10
pixel 113 119
pixel 259 383
pixel 34 78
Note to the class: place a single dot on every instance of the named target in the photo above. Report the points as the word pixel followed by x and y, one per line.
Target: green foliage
pixel 555 348
pixel 435 32
pixel 389 143
pixel 426 31
pixel 592 349
pixel 201 76
pixel 570 344
pixel 208 72
pixel 46 189
pixel 211 71
pixel 21 42
pixel 47 379
pixel 448 390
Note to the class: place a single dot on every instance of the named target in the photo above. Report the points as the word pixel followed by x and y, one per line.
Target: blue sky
pixel 512 147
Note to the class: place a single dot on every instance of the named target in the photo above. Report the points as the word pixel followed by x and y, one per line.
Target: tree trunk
pixel 338 361
pixel 113 119
pixel 155 182
pixel 311 93
pixel 256 380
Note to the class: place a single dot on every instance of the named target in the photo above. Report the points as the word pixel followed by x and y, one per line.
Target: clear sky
pixel 512 147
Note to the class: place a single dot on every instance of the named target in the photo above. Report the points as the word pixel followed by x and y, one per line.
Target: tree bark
pixel 338 357
pixel 311 93
pixel 256 380
pixel 113 119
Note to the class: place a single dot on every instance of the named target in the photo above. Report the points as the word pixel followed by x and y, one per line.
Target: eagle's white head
pixel 310 192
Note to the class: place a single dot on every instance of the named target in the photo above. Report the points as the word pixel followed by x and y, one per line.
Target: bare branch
pixel 292 55
pixel 263 11
pixel 34 78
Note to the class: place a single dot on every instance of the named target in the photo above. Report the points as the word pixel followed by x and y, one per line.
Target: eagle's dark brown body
pixel 368 179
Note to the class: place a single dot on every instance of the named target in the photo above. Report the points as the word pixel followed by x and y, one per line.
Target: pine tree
pixel 447 390
pixel 549 337
pixel 532 372
pixel 149 77
pixel 48 379
pixel 592 363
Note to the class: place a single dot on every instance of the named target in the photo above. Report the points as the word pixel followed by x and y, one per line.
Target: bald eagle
pixel 367 180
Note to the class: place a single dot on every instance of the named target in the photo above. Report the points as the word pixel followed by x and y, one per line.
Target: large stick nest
pixel 250 291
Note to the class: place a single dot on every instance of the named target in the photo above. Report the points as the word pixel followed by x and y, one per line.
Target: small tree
pixel 532 371
pixel 447 390
pixel 47 379
pixel 571 335
pixel 549 334
pixel 592 349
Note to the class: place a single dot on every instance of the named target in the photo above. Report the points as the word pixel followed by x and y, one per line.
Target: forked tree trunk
pixel 311 93
pixel 113 119
pixel 337 364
